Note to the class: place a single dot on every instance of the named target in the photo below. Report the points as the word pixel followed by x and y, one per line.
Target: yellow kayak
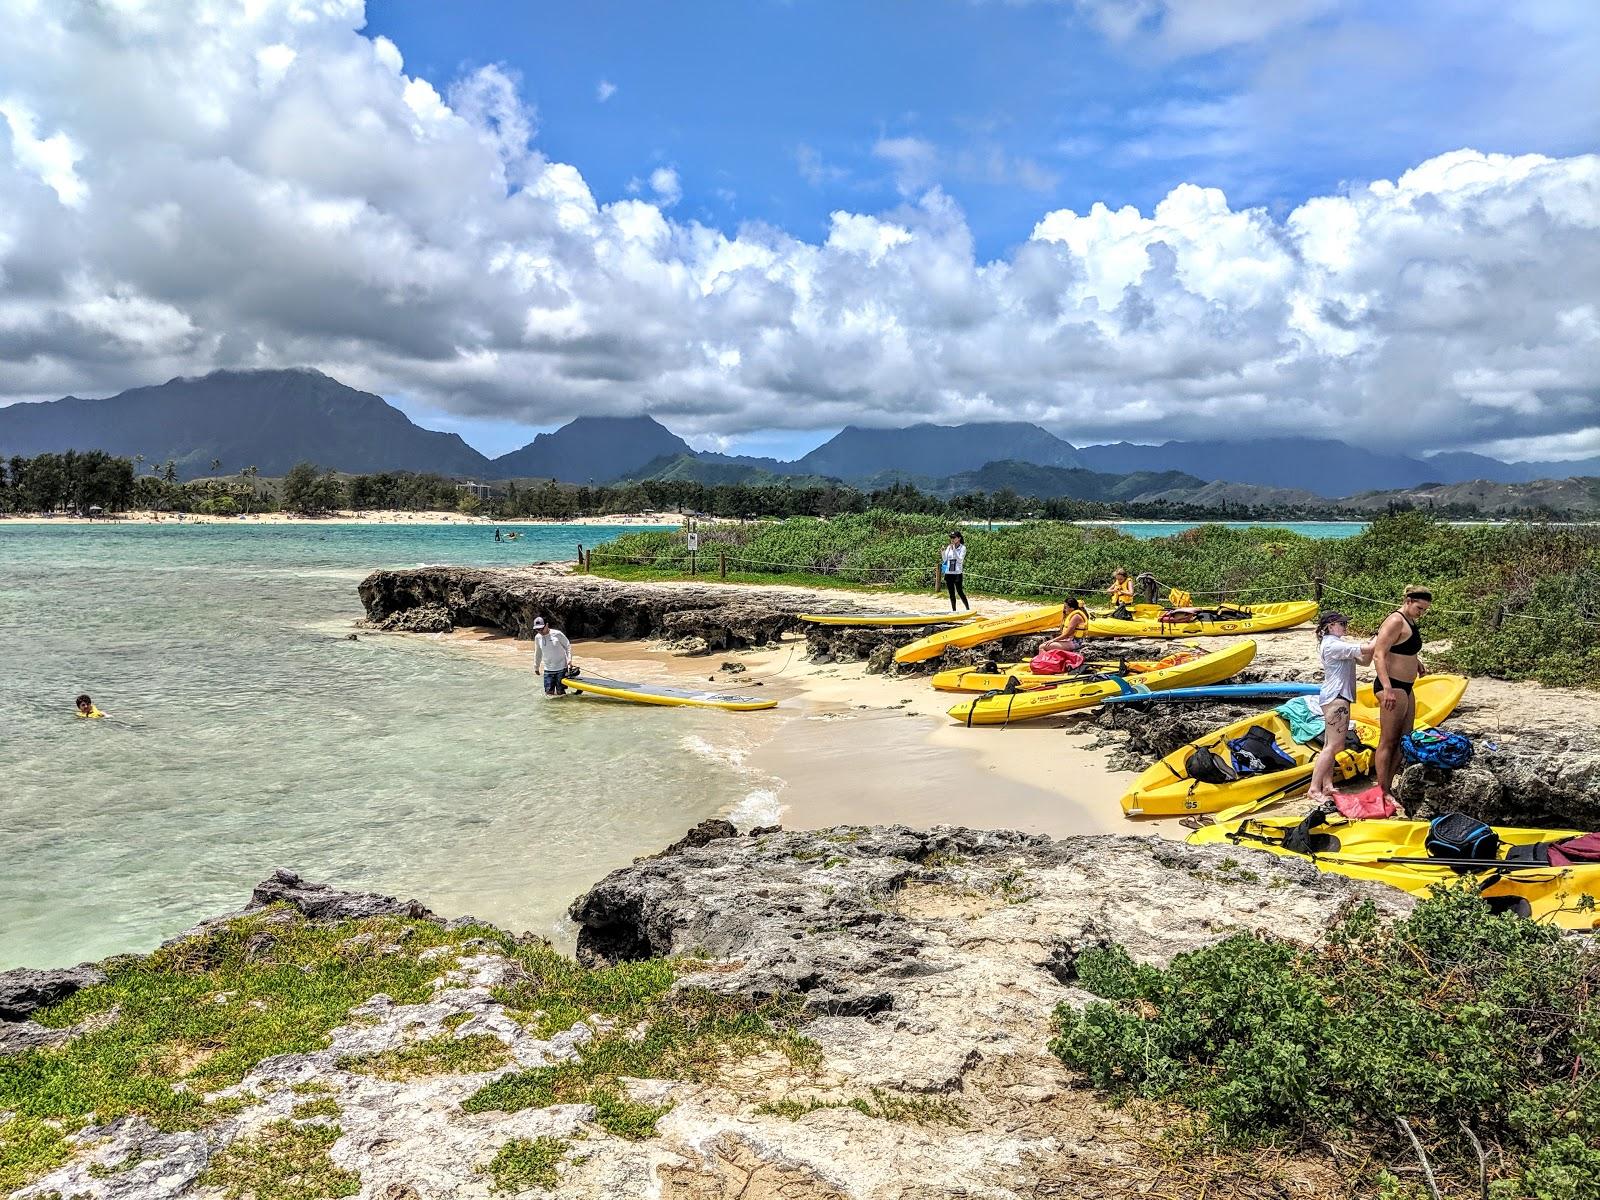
pixel 650 693
pixel 975 679
pixel 1360 849
pixel 889 619
pixel 1032 620
pixel 1252 618
pixel 1166 790
pixel 1086 693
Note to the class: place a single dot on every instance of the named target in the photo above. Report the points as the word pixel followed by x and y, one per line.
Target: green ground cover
pixel 165 1030
pixel 1461 1023
pixel 1516 601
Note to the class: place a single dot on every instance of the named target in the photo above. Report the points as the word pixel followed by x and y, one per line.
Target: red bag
pixel 1369 803
pixel 1585 849
pixel 1054 662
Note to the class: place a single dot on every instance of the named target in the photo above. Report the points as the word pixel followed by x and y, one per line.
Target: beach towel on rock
pixel 1305 722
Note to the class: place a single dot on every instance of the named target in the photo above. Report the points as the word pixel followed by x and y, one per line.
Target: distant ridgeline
pixel 263 423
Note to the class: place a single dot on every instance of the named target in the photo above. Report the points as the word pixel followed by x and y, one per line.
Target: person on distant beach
pixel 552 654
pixel 1073 619
pixel 1339 660
pixel 1395 658
pixel 86 708
pixel 497 535
pixel 952 565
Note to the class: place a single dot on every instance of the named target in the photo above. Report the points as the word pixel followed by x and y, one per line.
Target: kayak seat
pixel 1516 905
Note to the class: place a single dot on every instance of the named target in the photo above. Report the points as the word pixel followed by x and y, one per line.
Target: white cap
pixel 538 622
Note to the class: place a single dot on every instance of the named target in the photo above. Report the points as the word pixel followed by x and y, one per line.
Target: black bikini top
pixel 1413 644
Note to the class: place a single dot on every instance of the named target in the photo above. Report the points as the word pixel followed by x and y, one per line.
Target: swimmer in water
pixel 86 708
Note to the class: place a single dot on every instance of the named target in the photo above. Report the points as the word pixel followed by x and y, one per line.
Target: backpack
pixel 1456 835
pixel 1434 749
pixel 1257 753
pixel 1207 766
pixel 1054 662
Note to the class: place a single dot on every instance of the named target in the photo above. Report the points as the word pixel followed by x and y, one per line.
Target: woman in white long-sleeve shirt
pixel 1339 661
pixel 552 654
pixel 952 564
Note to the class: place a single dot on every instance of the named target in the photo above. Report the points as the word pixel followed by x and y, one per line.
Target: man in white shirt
pixel 551 654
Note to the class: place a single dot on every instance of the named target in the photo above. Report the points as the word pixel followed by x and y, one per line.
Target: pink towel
pixel 1370 803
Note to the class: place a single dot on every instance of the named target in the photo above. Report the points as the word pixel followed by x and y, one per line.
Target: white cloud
pixel 664 183
pixel 271 188
pixel 605 90
pixel 1183 27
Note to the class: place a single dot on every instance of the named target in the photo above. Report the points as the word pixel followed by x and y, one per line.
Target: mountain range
pixel 272 419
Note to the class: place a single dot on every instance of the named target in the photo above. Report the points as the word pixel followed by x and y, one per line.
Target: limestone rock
pixel 322 902
pixel 25 989
pixel 425 618
pixel 585 606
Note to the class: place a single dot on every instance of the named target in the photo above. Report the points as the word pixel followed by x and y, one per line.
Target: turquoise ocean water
pixel 247 732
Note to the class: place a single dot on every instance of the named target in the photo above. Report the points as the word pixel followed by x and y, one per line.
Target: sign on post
pixel 694 542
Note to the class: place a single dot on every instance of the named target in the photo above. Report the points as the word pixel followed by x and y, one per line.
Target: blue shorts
pixel 553 685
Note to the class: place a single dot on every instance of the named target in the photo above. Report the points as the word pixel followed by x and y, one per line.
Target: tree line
pixel 76 481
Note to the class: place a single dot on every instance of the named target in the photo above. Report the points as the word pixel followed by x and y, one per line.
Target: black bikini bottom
pixel 1399 685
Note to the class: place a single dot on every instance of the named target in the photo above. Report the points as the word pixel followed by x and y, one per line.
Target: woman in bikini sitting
pixel 1395 657
pixel 1073 619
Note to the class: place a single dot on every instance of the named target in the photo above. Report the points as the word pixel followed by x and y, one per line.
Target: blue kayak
pixel 1219 691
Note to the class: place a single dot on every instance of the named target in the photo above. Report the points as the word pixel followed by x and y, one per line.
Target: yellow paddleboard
pixel 1086 693
pixel 1147 621
pixel 1032 620
pixel 1165 789
pixel 651 693
pixel 1359 849
pixel 889 619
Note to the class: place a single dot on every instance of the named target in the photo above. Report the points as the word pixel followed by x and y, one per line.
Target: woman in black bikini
pixel 1394 655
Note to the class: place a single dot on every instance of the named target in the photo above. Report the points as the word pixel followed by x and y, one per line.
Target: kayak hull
pixel 1357 848
pixel 1165 789
pixel 669 697
pixel 975 633
pixel 973 679
pixel 1068 697
pixel 1146 622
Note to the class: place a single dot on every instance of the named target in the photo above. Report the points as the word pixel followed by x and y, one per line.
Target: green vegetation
pixel 1452 1020
pixel 163 1031
pixel 284 1161
pixel 647 1032
pixel 523 1162
pixel 882 1105
pixel 444 1055
pixel 1515 601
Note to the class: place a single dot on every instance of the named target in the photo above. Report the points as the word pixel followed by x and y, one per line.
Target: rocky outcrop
pixel 584 606
pixel 25 989
pixel 1547 778
pixel 929 962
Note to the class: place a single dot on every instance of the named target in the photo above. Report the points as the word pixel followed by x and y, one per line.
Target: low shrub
pixel 1452 1019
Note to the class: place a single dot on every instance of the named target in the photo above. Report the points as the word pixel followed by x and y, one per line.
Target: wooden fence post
pixel 722 565
pixel 1499 615
pixel 1316 589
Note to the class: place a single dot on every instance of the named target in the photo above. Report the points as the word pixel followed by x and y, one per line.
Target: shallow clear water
pixel 246 732
pixel 1310 529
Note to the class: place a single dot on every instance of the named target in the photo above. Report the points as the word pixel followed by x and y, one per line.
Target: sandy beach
pixel 347 517
pixel 848 747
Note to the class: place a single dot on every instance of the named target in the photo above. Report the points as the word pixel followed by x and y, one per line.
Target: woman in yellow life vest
pixel 1121 589
pixel 1073 619
pixel 86 709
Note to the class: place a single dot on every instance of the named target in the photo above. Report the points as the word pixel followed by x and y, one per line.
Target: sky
pixel 761 220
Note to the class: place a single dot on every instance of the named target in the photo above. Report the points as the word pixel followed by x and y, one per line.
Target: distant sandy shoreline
pixel 375 517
